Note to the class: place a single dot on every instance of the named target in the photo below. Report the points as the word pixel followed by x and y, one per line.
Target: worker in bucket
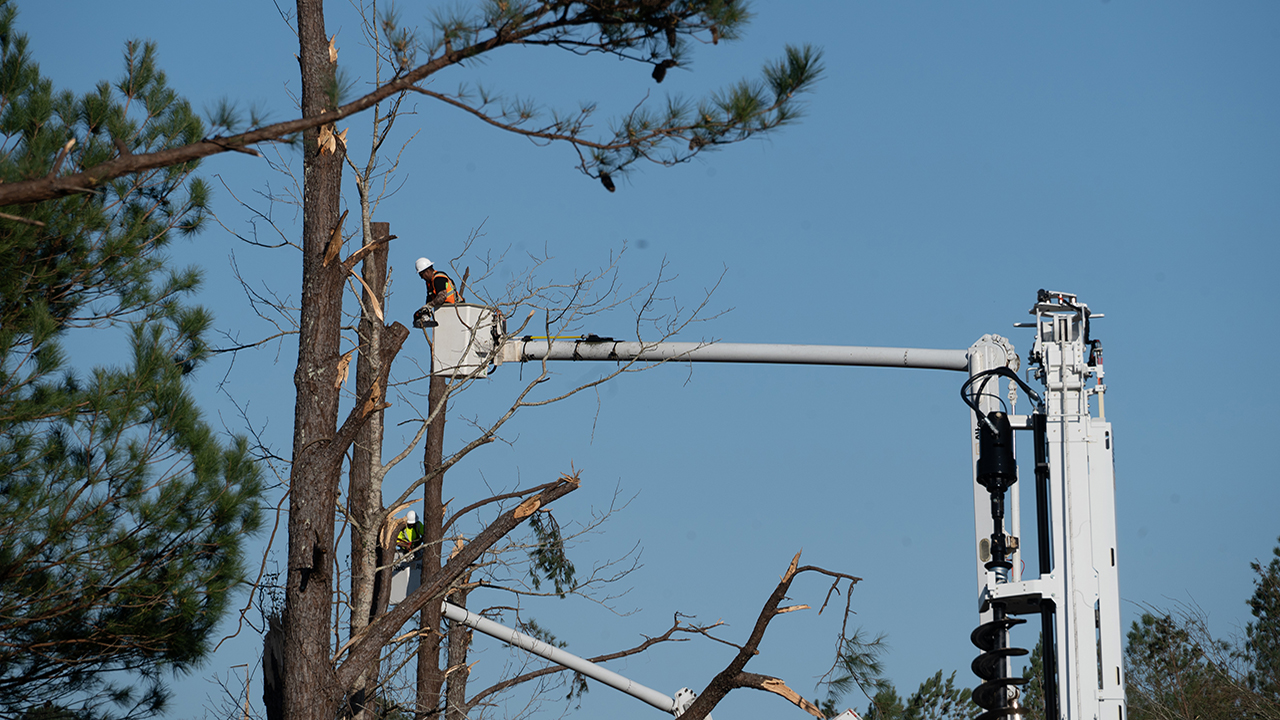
pixel 410 538
pixel 440 291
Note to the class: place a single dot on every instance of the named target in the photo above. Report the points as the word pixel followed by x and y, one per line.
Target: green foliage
pixel 939 699
pixel 859 666
pixel 578 684
pixel 225 117
pixel 1033 691
pixel 49 711
pixel 886 704
pixel 730 116
pixel 656 35
pixel 1262 641
pixel 547 560
pixel 95 256
pixel 935 699
pixel 399 41
pixel 122 515
pixel 1176 670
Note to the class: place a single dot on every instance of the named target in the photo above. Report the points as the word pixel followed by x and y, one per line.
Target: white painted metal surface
pixel 666 703
pixel 1084 581
pixel 587 349
pixel 406 576
pixel 465 341
pixel 990 352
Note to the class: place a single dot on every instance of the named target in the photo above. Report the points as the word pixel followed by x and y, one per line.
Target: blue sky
pixel 955 158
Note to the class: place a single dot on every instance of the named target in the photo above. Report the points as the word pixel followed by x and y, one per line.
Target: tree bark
pixel 369 646
pixel 273 667
pixel 430 675
pixel 364 497
pixel 309 678
pixel 455 702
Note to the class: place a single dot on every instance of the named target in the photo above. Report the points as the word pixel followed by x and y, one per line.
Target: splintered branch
pixel 487 501
pixel 733 677
pixel 777 687
pixel 362 649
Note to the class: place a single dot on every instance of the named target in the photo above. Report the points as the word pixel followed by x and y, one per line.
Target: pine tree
pixel 939 699
pixel 1175 669
pixel 113 161
pixel 936 699
pixel 886 705
pixel 1262 642
pixel 639 32
pixel 122 514
pixel 860 668
pixel 1033 691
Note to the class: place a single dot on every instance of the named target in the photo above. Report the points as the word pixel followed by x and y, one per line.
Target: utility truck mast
pixel 1075 591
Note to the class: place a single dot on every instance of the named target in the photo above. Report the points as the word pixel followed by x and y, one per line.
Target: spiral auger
pixel 996 694
pixel 997 470
pixel 1076 593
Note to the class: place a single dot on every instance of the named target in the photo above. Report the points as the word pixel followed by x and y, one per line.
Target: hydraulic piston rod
pixel 613 350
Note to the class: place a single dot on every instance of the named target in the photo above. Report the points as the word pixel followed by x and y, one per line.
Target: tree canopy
pixel 122 513
pixel 859 667
pixel 1263 633
pixel 648 34
pixel 1177 670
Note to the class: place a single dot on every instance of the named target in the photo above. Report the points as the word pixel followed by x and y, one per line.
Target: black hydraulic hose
pixel 1049 660
pixel 1048 633
pixel 1039 429
pixel 986 376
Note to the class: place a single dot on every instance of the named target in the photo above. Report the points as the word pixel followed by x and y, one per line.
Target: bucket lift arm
pixel 666 703
pixel 1077 591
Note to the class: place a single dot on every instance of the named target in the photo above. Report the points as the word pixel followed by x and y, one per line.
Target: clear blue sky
pixel 955 158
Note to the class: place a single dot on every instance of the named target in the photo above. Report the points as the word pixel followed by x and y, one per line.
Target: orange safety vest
pixel 449 293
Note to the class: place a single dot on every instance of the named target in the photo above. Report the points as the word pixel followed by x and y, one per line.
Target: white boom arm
pixel 674 705
pixel 613 350
pixel 560 657
pixel 1077 591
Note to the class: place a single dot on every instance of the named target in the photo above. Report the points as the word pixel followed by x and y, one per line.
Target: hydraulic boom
pixel 1076 590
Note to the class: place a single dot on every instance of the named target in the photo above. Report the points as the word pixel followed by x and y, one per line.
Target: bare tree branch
pixel 733 677
pixel 366 647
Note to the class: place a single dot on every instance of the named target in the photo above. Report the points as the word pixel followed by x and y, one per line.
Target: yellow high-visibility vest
pixel 411 533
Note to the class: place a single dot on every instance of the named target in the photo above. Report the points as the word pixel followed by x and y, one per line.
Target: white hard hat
pixel 422 264
pixel 412 517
